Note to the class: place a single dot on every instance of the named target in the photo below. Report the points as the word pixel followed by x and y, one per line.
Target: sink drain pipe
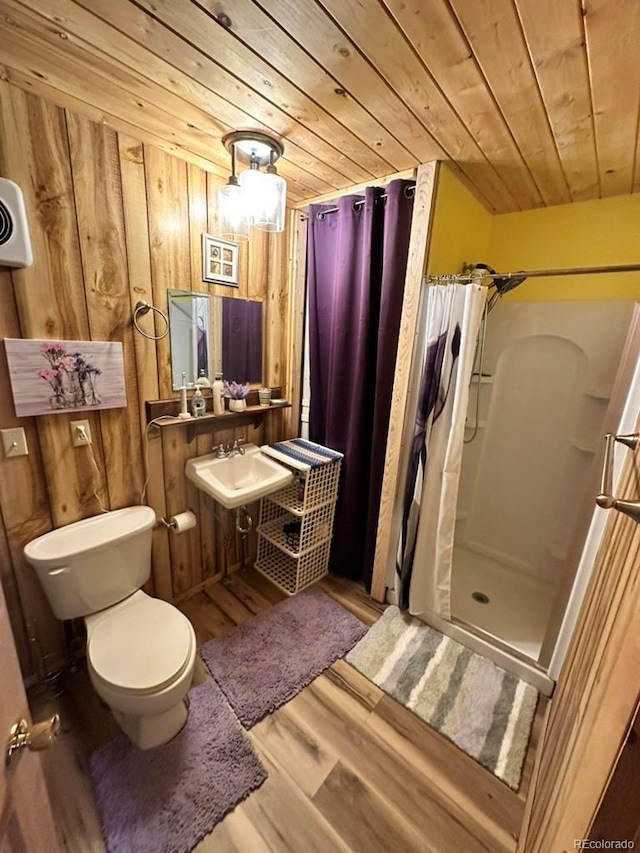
pixel 244 522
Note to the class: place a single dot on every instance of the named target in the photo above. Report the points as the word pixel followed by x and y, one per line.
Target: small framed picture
pixel 219 260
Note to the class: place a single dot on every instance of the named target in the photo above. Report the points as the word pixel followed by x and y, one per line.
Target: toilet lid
pixel 142 647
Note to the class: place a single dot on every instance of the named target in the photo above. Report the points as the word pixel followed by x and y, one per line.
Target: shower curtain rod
pixel 358 203
pixel 538 273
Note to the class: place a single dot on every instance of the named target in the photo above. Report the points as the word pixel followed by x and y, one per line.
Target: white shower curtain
pixel 423 566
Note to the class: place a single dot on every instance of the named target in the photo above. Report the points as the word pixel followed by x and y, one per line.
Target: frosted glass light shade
pixel 269 214
pixel 233 223
pixel 253 192
pixel 265 198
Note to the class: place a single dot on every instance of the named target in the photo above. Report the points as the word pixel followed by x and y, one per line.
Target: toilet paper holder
pixel 605 499
pixel 174 524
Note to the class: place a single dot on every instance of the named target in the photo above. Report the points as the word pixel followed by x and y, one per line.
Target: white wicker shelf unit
pixel 296 525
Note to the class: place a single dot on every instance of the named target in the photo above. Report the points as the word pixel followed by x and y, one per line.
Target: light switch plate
pixel 76 440
pixel 14 442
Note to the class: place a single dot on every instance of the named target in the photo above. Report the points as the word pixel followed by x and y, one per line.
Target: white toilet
pixel 140 651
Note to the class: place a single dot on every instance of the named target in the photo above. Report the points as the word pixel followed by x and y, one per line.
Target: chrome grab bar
pixel 605 499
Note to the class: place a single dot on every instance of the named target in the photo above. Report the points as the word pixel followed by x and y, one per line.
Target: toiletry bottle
pixel 202 381
pixel 218 400
pixel 198 404
pixel 184 411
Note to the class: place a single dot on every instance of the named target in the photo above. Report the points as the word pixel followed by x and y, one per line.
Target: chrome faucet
pixel 224 451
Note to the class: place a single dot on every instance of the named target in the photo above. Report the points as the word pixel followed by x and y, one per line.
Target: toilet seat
pixel 140 648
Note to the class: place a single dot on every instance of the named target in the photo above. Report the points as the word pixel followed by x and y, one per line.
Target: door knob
pixel 35 737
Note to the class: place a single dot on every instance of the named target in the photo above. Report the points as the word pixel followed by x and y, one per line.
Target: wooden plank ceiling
pixel 534 102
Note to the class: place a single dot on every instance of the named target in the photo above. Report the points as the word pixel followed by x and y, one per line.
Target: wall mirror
pixel 216 334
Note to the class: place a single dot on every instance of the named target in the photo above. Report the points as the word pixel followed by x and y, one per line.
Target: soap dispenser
pixel 198 404
pixel 202 381
pixel 218 399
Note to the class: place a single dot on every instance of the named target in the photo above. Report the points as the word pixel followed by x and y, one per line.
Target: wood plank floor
pixel 349 768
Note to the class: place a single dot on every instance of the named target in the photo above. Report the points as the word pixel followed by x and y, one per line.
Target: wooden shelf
pixel 168 409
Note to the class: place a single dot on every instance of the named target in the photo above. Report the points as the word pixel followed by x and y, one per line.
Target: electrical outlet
pixel 14 442
pixel 80 433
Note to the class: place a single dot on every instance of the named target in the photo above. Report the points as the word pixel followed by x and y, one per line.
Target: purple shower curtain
pixel 356 264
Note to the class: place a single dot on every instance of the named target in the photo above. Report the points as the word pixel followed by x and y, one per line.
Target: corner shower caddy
pixel 296 524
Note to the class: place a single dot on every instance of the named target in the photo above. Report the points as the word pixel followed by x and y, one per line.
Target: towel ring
pixel 143 308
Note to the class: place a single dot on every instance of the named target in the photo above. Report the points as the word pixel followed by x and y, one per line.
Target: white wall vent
pixel 15 245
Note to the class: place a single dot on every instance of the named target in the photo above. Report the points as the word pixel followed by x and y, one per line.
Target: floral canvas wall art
pixel 49 377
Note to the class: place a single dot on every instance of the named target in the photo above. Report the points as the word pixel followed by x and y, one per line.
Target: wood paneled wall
pixel 112 221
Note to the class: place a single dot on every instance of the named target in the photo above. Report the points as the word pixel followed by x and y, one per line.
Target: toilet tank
pixel 94 563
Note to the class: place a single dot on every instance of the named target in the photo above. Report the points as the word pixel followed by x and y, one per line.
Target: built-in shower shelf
pixel 558 551
pixel 584 446
pixel 484 380
pixel 480 425
pixel 597 395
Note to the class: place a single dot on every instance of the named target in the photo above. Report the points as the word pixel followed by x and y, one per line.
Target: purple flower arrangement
pixel 235 390
pixel 71 377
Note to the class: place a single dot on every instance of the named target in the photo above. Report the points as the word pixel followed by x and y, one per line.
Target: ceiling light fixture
pixel 233 223
pixel 255 198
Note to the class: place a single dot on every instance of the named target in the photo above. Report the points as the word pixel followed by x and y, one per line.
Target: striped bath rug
pixel 484 710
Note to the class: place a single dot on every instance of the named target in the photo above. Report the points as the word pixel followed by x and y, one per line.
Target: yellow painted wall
pixel 590 233
pixel 461 227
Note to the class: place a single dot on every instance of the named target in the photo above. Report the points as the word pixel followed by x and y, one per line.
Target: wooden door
pixel 619 813
pixel 596 695
pixel 26 821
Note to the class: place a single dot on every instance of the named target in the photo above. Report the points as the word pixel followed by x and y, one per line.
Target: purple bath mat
pixel 167 799
pixel 265 662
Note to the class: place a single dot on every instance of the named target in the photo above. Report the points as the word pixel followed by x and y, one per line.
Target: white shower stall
pixel 550 381
pixel 534 428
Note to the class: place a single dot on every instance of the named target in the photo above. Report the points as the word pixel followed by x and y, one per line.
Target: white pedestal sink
pixel 239 479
